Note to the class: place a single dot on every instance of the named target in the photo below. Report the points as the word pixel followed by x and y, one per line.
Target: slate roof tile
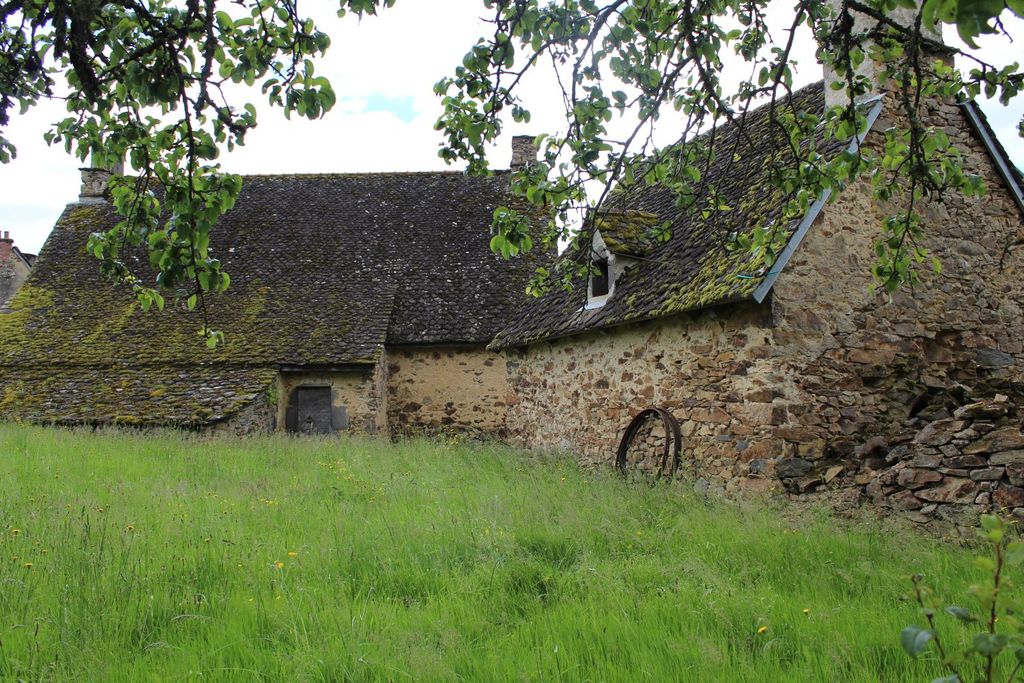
pixel 325 270
pixel 693 269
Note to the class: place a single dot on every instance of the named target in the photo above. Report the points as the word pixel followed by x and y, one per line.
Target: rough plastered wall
pixel 446 388
pixel 357 390
pixel 797 386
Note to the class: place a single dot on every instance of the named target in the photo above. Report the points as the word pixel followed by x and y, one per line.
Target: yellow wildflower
pixel 28 565
pixel 807 612
pixel 279 565
pixel 292 553
pixel 762 630
pixel 15 532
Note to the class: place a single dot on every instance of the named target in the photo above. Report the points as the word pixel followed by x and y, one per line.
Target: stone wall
pixel 825 365
pixel 259 417
pixel 862 365
pixel 446 388
pixel 712 370
pixel 356 390
pixel 945 472
pixel 13 273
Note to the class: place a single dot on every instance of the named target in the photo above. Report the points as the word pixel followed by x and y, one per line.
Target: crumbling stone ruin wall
pixel 863 366
pixel 791 390
pixel 433 389
pixel 946 473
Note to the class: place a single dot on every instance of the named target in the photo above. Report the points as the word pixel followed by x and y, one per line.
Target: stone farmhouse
pixel 15 265
pixel 358 303
pixel 371 303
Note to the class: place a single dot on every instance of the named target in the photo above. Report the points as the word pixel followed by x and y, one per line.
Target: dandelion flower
pixel 292 553
pixel 15 532
pixel 279 565
pixel 28 565
pixel 807 612
pixel 762 630
pixel 130 527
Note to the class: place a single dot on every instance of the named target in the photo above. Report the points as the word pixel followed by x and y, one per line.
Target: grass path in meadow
pixel 169 557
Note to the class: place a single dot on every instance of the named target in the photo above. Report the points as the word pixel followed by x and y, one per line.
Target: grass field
pixel 129 557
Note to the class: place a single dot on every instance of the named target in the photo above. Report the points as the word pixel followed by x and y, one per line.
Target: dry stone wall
pixel 946 473
pixel 862 365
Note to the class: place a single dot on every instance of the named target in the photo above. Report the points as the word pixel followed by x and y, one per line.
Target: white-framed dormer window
pixel 605 268
pixel 600 283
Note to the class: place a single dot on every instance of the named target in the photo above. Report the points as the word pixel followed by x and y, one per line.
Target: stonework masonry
pixel 13 271
pixel 794 386
pixel 446 388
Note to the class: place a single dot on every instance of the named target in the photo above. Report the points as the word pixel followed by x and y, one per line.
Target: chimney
pixel 524 151
pixel 94 182
pixel 862 23
pixel 6 247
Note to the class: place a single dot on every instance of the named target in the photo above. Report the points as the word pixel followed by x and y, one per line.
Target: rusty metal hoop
pixel 673 441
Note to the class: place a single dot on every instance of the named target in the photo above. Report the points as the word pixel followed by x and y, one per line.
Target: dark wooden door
pixel 313 410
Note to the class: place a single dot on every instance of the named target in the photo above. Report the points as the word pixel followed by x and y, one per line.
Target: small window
pixel 599 277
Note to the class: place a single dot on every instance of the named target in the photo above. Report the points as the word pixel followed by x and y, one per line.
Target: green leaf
pixel 960 613
pixel 915 640
pixel 989 644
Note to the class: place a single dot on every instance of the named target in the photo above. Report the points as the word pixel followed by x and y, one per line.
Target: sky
pixel 383 70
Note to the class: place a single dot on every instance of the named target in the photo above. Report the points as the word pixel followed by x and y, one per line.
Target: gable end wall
pixel 818 368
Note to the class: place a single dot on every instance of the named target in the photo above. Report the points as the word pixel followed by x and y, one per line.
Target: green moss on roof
pixel 694 268
pixel 627 232
pixel 326 269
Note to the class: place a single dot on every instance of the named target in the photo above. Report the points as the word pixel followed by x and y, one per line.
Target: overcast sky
pixel 383 70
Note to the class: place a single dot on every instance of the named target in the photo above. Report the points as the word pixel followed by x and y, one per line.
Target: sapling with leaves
pixel 995 648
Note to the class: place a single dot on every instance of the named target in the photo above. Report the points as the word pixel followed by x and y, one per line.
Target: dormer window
pixel 599 283
pixel 620 240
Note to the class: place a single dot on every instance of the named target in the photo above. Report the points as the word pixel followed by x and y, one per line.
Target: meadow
pixel 171 557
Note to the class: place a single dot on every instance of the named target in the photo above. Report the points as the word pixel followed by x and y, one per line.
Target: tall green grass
pixel 166 556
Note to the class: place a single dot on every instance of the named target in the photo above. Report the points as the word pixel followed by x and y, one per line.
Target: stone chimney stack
pixel 94 182
pixel 862 23
pixel 6 246
pixel 524 151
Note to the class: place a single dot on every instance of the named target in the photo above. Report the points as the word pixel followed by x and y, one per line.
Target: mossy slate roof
pixel 691 270
pixel 326 270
